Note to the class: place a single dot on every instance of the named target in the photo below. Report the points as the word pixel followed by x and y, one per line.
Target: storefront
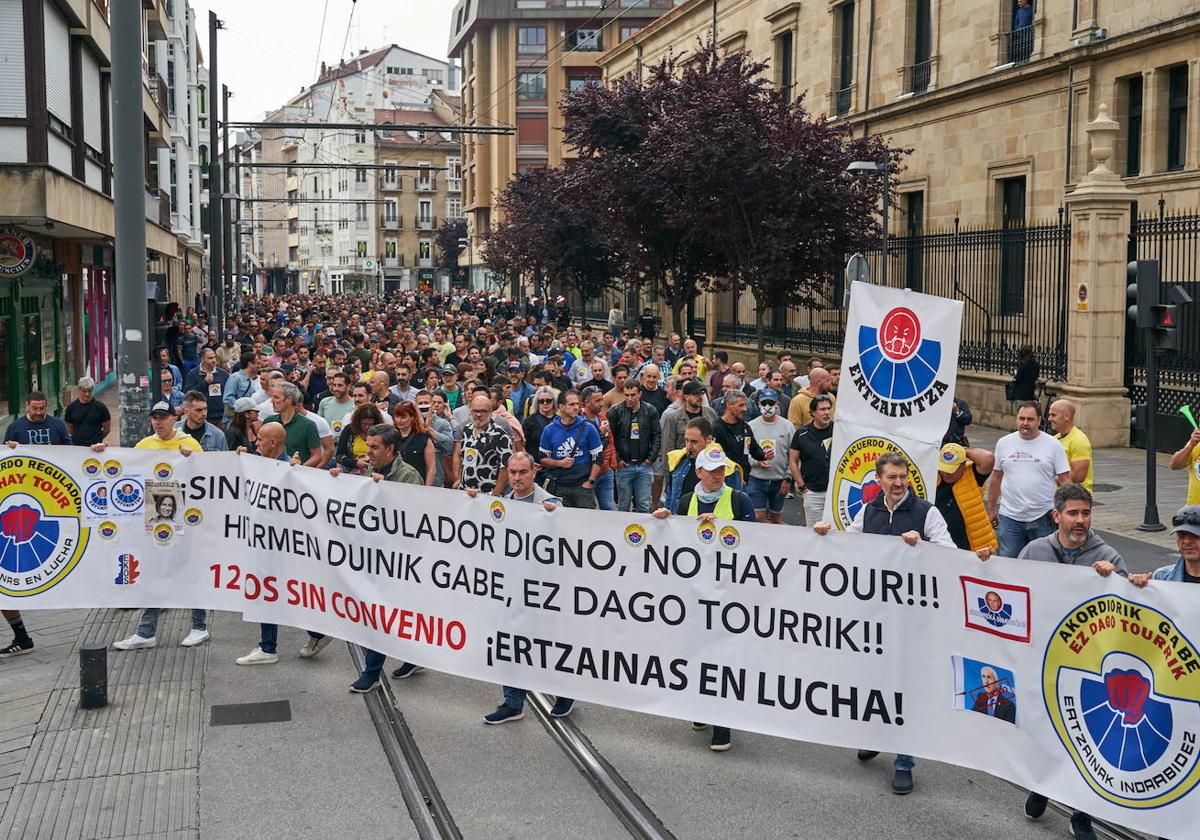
pixel 99 350
pixel 32 291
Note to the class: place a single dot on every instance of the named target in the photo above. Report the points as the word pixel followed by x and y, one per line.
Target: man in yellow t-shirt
pixel 166 436
pixel 1188 458
pixel 1074 441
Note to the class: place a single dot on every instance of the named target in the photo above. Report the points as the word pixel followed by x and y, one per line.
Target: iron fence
pixel 1012 281
pixel 1174 240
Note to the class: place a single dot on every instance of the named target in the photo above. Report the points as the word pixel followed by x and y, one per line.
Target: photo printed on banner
pixel 164 503
pixel 984 688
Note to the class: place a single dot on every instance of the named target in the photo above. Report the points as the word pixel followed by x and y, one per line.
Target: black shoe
pixel 16 649
pixel 1081 827
pixel 721 739
pixel 562 707
pixel 364 684
pixel 902 782
pixel 503 714
pixel 1035 806
pixel 406 670
pixel 699 727
pixel 867 755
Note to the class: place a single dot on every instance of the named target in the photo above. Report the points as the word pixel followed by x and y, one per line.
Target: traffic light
pixel 161 318
pixel 1166 327
pixel 1143 291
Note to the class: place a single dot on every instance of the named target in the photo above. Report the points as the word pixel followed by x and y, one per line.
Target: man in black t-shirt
pixel 735 437
pixel 88 420
pixel 808 459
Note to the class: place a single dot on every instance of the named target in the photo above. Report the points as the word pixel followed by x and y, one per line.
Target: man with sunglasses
pixel 1185 526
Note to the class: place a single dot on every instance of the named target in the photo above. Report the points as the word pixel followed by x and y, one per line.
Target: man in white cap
pixel 713 499
pixel 88 420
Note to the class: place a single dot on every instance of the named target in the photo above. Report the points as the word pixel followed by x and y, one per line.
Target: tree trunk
pixel 760 332
pixel 583 310
pixel 677 316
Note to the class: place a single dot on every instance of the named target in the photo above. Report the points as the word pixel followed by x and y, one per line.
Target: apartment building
pixel 518 59
pixel 420 184
pixel 56 209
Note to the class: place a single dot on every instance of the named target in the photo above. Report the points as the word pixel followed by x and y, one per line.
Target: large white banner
pixel 899 368
pixel 1085 689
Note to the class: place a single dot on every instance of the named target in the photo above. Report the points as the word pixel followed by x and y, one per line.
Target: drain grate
pixel 233 714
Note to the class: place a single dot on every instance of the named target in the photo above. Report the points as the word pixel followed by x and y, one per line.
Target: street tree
pixel 449 246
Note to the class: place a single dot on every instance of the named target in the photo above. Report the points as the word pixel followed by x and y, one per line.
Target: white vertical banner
pixel 899 370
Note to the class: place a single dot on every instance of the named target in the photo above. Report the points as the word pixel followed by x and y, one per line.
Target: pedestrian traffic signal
pixel 1166 323
pixel 1143 291
pixel 162 316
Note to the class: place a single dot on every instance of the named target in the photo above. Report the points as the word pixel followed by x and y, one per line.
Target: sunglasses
pixel 1189 517
pixel 546 402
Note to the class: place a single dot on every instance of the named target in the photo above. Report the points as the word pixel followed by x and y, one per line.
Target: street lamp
pixel 872 166
pixel 465 242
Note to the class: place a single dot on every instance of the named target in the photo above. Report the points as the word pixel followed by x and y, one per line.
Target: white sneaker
pixel 135 642
pixel 258 657
pixel 196 637
pixel 314 646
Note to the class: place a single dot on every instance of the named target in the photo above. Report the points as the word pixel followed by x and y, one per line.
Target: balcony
pixel 391 262
pixel 389 184
pixel 454 184
pixel 427 184
pixel 917 77
pixel 843 99
pixel 584 40
pixel 362 186
pixel 158 207
pixel 1017 45
pixel 392 223
pixel 324 231
pixel 426 222
pixel 361 224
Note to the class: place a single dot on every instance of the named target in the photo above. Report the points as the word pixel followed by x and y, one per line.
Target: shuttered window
pixel 92 134
pixel 58 65
pixel 12 61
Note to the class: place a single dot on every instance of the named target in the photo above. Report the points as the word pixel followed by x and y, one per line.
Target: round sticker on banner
pixel 706 532
pixel 107 530
pixel 854 483
pixel 41 536
pixel 126 496
pixel 1124 702
pixel 95 498
pixel 163 533
pixel 163 471
pixel 193 516
pixel 91 468
pixel 729 537
pixel 497 511
pixel 112 468
pixel 896 371
pixel 635 536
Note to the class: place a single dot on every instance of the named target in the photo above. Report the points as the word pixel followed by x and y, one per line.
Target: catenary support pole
pixel 129 208
pixel 230 275
pixel 215 250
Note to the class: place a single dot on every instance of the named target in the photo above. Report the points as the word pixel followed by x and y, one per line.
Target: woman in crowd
pixel 416 445
pixel 351 453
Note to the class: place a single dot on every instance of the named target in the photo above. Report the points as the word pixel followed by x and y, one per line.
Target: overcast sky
pixel 270 48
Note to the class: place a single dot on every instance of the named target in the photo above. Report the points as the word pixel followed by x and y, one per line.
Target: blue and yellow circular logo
pixel 163 471
pixel 91 468
pixel 897 364
pixel 1124 702
pixel 41 537
pixel 706 532
pixel 163 533
pixel 112 468
pixel 107 530
pixel 729 537
pixel 193 516
pixel 853 477
pixel 496 509
pixel 635 536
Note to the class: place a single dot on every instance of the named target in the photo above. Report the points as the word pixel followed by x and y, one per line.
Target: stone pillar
pixel 1099 212
pixel 1193 117
pixel 1154 143
pixel 710 320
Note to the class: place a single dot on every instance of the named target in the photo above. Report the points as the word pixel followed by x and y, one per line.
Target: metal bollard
pixel 93 676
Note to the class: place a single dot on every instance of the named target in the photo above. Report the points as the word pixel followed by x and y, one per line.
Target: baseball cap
pixel 446 369
pixel 768 395
pixel 692 387
pixel 711 457
pixel 244 404
pixel 1187 520
pixel 517 366
pixel 161 407
pixel 951 457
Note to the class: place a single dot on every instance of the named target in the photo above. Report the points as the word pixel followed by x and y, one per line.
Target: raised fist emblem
pixel 1127 693
pixel 18 523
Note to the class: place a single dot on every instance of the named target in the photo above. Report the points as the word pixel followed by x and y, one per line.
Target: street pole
pixel 1150 520
pixel 887 189
pixel 237 226
pixel 227 214
pixel 129 209
pixel 215 230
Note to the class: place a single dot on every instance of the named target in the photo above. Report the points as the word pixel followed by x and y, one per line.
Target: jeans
pixel 514 698
pixel 604 491
pixel 904 762
pixel 576 496
pixel 374 664
pixel 633 487
pixel 1014 535
pixel 814 507
pixel 148 627
pixel 268 637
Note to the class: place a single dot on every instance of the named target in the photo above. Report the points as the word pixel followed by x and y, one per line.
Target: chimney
pixel 322 68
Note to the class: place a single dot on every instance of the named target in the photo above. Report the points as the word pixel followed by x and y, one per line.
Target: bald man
pixel 800 409
pixel 271 438
pixel 1074 441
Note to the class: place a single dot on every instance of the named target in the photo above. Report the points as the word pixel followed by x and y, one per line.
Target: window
pixel 783 64
pixel 628 32
pixel 315 189
pixel 201 99
pixel 453 208
pixel 389 249
pixel 575 83
pixel 361 250
pixel 389 210
pixel 1020 39
pixel 1012 245
pixel 845 54
pixel 393 71
pixel 360 137
pixel 531 86
pixel 360 176
pixel 584 40
pixel 914 225
pixel 1133 125
pixel 425 211
pixel 532 130
pixel 360 211
pixel 389 174
pixel 1177 106
pixel 531 40
pixel 425 252
pixel 434 77
pixel 454 168
pixel 918 79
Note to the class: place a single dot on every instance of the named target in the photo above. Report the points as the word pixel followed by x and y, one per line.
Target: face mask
pixel 708 498
pixel 769 409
